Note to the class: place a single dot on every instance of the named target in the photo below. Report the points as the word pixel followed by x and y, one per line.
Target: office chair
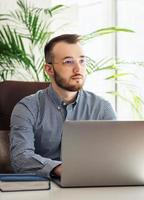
pixel 10 93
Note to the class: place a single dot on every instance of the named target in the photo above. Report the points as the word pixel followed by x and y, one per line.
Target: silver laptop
pixel 102 153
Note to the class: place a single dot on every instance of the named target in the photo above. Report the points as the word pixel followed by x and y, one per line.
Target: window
pixel 130 48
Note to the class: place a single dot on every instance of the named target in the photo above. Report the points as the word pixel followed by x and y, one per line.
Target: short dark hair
pixel 68 38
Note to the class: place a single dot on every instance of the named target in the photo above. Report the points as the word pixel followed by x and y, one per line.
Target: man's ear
pixel 49 69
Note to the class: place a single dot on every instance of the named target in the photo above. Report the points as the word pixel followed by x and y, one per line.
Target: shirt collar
pixel 54 97
pixel 57 100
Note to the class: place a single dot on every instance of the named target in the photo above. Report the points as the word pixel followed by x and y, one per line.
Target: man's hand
pixel 58 170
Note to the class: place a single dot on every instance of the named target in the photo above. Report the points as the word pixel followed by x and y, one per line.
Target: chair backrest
pixel 10 93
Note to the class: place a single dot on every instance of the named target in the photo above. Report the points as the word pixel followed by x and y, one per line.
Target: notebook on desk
pixel 102 153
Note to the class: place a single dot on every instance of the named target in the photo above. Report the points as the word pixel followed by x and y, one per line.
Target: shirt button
pixel 59 108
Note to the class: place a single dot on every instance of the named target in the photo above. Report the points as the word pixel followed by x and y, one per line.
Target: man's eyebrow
pixel 67 57
pixel 82 56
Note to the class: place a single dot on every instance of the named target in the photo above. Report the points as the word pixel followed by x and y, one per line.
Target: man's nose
pixel 77 66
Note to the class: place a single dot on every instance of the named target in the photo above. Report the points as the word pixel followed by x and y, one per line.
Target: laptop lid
pixel 102 153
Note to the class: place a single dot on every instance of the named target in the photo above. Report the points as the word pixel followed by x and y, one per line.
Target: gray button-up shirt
pixel 37 123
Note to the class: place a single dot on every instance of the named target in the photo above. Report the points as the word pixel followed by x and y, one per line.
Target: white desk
pixel 56 193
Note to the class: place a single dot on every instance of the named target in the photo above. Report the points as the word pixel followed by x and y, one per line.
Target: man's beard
pixel 63 83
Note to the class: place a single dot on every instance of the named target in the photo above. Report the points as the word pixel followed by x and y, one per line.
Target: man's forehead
pixel 67 49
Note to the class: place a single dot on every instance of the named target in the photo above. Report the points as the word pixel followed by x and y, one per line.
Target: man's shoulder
pixel 94 99
pixel 30 105
pixel 91 96
pixel 99 105
pixel 34 98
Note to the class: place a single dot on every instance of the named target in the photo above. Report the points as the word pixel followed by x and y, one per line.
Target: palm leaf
pixel 104 31
pixel 50 11
pixel 99 65
pixel 115 76
pixel 32 29
pixel 136 102
pixel 12 48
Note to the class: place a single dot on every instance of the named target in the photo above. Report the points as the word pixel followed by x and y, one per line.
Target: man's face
pixel 69 66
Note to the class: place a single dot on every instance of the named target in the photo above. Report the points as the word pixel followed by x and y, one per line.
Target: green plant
pixel 22 38
pixel 131 93
pixel 24 35
pixel 128 80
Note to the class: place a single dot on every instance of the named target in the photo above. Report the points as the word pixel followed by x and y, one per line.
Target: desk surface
pixel 96 193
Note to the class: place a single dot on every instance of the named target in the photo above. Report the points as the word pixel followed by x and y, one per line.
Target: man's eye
pixel 68 62
pixel 82 61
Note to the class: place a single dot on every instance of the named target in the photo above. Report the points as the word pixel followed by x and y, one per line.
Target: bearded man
pixel 37 120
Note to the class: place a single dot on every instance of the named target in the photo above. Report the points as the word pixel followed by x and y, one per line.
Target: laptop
pixel 102 153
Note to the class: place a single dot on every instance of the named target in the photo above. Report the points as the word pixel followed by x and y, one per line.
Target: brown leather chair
pixel 10 93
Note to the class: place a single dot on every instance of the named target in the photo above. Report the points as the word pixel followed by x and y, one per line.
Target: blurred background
pixel 112 32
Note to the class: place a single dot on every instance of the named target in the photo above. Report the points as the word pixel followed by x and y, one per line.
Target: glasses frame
pixel 70 61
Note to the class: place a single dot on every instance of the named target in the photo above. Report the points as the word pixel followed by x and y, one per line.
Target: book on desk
pixel 23 182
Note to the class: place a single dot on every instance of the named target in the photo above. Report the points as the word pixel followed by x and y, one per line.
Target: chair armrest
pixel 4 152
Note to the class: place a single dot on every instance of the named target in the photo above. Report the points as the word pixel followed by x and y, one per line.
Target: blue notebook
pixel 23 182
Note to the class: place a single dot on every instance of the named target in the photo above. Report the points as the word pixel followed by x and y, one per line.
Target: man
pixel 37 120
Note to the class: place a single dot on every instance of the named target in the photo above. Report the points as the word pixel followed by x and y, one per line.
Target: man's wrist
pixel 53 172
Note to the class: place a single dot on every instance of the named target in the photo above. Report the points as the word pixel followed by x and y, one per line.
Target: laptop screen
pixel 101 153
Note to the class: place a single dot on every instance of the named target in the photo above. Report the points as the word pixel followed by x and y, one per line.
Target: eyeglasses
pixel 72 62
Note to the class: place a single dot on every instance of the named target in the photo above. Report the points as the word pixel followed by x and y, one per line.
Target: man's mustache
pixel 77 76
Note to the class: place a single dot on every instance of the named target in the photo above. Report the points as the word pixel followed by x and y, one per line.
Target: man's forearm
pixel 33 163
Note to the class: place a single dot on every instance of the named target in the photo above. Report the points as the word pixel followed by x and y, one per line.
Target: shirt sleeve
pixel 22 149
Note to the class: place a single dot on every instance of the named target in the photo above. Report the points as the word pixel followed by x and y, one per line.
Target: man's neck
pixel 66 96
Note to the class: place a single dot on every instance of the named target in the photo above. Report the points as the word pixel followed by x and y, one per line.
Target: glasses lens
pixel 69 61
pixel 82 61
